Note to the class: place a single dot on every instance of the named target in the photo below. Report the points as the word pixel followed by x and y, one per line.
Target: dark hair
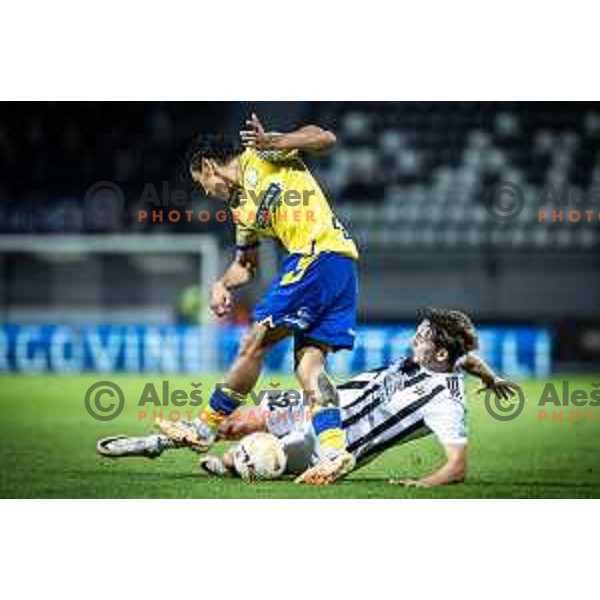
pixel 216 147
pixel 452 330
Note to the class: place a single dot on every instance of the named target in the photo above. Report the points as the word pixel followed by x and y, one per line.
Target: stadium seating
pixel 415 174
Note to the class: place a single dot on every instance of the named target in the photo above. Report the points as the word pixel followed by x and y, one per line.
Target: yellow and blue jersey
pixel 315 291
pixel 281 199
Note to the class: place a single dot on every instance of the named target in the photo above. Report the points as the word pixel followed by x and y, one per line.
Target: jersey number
pixel 337 225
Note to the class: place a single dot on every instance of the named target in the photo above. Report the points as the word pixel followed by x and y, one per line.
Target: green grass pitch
pixel 47 450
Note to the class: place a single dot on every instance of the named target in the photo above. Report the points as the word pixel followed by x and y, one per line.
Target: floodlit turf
pixel 47 450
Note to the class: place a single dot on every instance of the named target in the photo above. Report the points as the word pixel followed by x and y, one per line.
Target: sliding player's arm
pixel 473 365
pixel 309 138
pixel 453 471
pixel 445 417
pixel 241 271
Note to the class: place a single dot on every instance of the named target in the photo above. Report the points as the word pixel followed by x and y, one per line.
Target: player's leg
pixel 290 303
pixel 334 460
pixel 310 371
pixel 332 330
pixel 152 446
pixel 246 369
pixel 225 399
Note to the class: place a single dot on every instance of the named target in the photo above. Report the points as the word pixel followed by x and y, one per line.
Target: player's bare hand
pixel 408 482
pixel 254 135
pixel 220 300
pixel 503 388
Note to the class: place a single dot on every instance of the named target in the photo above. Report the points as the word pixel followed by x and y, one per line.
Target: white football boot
pixel 118 446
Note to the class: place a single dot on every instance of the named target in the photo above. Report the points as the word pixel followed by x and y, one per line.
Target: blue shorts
pixel 316 296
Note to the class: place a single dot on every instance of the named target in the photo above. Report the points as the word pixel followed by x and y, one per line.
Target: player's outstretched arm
pixel 453 471
pixel 240 271
pixel 309 138
pixel 473 365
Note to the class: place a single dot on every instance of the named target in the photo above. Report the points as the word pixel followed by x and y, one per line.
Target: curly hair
pixel 452 330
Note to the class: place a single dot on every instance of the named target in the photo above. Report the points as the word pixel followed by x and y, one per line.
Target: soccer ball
pixel 259 456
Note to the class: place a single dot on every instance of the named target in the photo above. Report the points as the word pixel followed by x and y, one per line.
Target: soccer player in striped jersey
pixel 381 408
pixel 420 394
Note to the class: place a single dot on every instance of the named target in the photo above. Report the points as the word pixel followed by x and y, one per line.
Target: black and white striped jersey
pixel 384 407
pixel 380 408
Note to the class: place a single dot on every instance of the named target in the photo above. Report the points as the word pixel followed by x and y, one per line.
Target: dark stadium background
pixel 408 178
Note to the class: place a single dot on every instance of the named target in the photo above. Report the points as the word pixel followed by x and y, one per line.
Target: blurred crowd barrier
pixel 520 351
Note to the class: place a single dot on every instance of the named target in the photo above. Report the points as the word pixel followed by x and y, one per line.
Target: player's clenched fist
pixel 220 299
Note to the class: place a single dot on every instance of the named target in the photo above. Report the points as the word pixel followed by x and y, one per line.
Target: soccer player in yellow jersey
pixel 272 193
